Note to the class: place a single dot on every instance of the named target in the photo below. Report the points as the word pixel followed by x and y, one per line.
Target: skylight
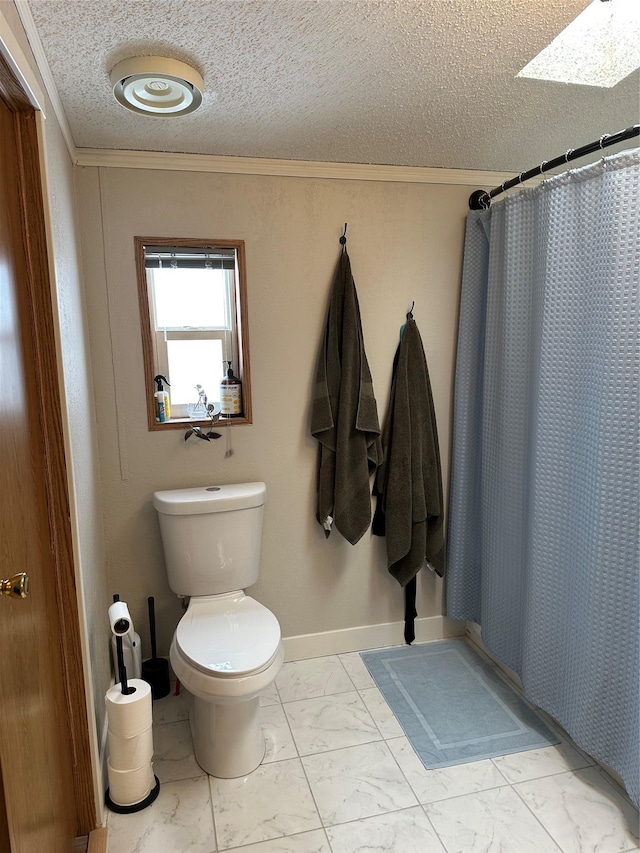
pixel 599 48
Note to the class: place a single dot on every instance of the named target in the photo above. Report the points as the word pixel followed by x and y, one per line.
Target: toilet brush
pixel 155 670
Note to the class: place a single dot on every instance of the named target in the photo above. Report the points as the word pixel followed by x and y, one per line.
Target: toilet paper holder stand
pixel 136 807
pixel 120 627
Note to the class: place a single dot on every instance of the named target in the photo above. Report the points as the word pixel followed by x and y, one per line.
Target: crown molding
pixel 31 32
pixel 238 165
pixel 124 159
pixel 285 168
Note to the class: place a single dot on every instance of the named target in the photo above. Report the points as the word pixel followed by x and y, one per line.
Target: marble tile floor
pixel 339 776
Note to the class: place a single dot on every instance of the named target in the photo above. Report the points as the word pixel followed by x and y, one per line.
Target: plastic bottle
pixel 132 654
pixel 231 395
pixel 163 404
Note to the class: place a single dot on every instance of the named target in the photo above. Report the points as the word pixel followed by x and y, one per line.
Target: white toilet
pixel 227 647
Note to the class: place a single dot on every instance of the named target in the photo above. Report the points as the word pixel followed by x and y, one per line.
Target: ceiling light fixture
pixel 600 48
pixel 157 86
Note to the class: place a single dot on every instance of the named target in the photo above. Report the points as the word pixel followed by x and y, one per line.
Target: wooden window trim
pixel 242 324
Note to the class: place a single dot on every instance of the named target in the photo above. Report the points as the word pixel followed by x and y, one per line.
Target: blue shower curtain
pixel 545 487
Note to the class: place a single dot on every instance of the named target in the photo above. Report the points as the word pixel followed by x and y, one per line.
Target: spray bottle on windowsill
pixel 231 395
pixel 163 405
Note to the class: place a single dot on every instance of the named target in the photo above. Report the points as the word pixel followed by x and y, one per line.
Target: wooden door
pixel 40 750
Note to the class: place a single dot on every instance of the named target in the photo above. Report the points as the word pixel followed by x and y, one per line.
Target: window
pixel 193 310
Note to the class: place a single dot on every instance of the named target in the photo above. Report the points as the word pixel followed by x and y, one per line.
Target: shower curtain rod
pixel 481 199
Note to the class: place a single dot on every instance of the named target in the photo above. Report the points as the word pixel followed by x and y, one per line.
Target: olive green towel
pixel 409 483
pixel 344 417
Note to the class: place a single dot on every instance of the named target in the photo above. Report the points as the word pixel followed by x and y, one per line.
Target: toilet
pixel 227 647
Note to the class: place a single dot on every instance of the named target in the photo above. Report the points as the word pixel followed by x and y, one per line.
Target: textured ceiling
pixel 402 82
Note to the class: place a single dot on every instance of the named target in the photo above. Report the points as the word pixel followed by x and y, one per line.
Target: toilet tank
pixel 211 536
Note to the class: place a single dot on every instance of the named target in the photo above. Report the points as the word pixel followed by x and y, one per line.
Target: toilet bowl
pixel 227 647
pixel 226 650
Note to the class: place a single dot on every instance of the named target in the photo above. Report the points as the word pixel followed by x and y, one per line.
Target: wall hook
pixel 410 313
pixel 343 239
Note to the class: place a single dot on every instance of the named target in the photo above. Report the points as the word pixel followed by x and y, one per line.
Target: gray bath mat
pixel 452 705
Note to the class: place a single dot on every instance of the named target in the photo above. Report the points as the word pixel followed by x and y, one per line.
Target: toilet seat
pixel 228 636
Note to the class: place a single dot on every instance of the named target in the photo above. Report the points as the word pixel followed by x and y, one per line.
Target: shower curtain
pixel 545 489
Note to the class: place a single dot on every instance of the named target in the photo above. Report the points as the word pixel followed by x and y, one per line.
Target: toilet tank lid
pixel 207 499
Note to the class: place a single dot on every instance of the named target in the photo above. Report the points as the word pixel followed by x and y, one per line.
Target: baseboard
pixel 103 762
pixel 362 637
pixel 474 634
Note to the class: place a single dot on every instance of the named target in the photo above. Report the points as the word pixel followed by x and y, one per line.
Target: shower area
pixel 545 489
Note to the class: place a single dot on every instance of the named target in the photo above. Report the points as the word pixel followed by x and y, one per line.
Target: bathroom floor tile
pixel 356 782
pixel 582 811
pixel 172 708
pixel 173 756
pixel 277 734
pixel 382 715
pixel 306 842
pixel 406 831
pixel 494 821
pixel 330 722
pixel 180 820
pixel 615 783
pixel 357 670
pixel 269 696
pixel 271 802
pixel 535 763
pixel 444 782
pixel 367 793
pixel 305 679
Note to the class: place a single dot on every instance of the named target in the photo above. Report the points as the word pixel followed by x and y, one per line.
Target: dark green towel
pixel 409 482
pixel 344 416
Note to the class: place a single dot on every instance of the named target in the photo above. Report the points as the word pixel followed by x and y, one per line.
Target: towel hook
pixel 343 239
pixel 410 314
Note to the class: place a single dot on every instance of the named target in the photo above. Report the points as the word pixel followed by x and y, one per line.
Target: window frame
pixel 162 336
pixel 239 317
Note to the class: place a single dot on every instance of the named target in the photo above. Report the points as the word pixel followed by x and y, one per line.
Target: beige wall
pixel 405 243
pixel 77 393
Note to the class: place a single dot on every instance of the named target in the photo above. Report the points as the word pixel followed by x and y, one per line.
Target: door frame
pixel 50 423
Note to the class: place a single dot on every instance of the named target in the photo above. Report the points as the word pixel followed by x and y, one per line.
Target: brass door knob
pixel 16 587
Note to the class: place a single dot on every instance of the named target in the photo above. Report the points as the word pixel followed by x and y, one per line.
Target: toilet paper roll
pixel 119 618
pixel 128 753
pixel 127 787
pixel 129 714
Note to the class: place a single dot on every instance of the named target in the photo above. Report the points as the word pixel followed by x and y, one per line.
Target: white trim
pixel 14 55
pixel 102 767
pixel 474 634
pixel 45 72
pixel 285 168
pixel 223 164
pixel 380 636
pixel 73 514
pixel 236 165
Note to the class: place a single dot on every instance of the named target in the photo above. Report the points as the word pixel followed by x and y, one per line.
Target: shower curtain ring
pixel 567 155
pixel 602 139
